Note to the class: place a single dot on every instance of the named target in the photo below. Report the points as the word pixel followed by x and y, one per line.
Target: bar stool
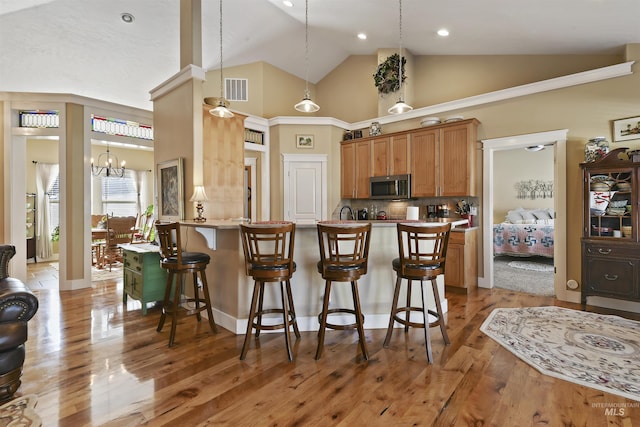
pixel 344 254
pixel 268 255
pixel 423 251
pixel 178 263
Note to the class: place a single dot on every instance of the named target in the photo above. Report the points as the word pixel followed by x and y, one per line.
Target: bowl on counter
pixel 623 186
pixel 430 121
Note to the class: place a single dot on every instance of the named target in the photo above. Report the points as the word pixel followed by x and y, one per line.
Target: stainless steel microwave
pixel 393 187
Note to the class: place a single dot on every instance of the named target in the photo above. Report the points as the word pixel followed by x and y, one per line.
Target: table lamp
pixel 199 196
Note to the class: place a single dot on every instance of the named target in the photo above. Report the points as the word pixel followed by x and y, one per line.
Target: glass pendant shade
pixel 307 105
pixel 221 110
pixel 400 107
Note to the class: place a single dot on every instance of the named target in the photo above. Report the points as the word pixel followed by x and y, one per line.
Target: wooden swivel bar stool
pixel 268 255
pixel 423 251
pixel 344 254
pixel 178 263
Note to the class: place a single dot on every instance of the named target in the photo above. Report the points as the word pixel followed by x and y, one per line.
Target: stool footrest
pixel 337 326
pixel 261 327
pixel 398 319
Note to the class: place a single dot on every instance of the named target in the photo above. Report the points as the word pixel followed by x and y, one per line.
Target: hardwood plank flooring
pixel 94 361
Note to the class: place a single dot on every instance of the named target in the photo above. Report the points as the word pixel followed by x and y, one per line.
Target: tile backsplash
pixel 398 209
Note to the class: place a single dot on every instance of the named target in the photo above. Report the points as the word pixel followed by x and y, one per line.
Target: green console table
pixel 144 279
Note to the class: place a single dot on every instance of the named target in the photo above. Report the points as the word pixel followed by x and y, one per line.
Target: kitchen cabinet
pixel 144 279
pixel 355 169
pixel 443 160
pixel 390 155
pixel 461 270
pixel 610 245
pixel 31 226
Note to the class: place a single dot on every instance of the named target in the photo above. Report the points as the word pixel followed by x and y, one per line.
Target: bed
pixel 525 233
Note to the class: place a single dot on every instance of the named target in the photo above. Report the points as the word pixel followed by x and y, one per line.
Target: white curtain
pixel 46 174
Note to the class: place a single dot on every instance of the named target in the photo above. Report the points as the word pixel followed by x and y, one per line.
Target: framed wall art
pixel 170 181
pixel 304 141
pixel 626 129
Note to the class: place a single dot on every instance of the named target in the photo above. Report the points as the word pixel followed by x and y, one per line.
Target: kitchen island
pixel 230 288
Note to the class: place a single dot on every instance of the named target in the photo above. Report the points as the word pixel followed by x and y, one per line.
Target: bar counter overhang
pixel 230 288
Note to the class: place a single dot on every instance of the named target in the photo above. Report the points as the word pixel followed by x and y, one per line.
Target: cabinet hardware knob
pixel 604 251
pixel 612 277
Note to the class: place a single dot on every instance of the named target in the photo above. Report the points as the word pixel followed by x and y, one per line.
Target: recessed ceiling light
pixel 362 36
pixel 288 3
pixel 443 32
pixel 127 17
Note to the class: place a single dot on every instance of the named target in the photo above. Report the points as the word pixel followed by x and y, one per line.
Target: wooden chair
pixel 178 263
pixel 97 243
pixel 119 231
pixel 423 252
pixel 344 254
pixel 268 255
pixel 143 229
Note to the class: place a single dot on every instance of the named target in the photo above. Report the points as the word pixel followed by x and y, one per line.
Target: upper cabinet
pixel 443 160
pixel 390 155
pixel 355 169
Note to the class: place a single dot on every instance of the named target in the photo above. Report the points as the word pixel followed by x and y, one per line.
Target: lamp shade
pixel 400 107
pixel 199 194
pixel 307 105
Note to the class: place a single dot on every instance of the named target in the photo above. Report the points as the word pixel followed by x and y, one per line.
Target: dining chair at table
pixel 119 231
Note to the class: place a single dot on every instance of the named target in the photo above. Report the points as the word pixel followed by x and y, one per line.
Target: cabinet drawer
pixel 611 277
pixel 606 250
pixel 133 261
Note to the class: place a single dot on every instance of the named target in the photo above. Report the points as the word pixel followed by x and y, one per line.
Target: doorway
pixel 557 141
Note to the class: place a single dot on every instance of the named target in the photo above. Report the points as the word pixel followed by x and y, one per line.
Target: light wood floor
pixel 94 361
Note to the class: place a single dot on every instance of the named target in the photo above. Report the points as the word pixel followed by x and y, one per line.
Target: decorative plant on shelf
pixel 386 76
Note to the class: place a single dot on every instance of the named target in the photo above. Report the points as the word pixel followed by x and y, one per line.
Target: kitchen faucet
pixel 349 211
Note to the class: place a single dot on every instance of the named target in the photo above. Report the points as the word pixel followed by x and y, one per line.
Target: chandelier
pixel 400 106
pixel 306 105
pixel 107 160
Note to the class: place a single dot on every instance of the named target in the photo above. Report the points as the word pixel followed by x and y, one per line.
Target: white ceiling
pixel 83 47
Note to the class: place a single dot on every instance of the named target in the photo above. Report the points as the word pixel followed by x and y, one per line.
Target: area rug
pixel 530 265
pixel 20 412
pixel 594 350
pixel 520 280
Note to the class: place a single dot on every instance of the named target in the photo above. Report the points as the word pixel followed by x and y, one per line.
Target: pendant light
pixel 221 109
pixel 306 105
pixel 400 106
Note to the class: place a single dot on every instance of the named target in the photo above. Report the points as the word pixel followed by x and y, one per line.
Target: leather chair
pixel 17 305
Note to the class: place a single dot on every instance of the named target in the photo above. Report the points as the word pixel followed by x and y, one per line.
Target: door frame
pixel 557 138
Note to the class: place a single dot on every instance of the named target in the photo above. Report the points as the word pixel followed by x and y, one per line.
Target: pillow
pixel 528 216
pixel 513 217
pixel 541 214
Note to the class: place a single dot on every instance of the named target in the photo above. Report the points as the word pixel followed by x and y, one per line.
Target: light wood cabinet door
pixel 399 155
pixel 348 170
pixel 424 155
pixel 363 169
pixel 461 269
pixel 457 160
pixel 380 155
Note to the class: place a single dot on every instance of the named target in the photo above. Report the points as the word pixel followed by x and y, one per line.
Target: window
pixel 119 195
pixel 53 197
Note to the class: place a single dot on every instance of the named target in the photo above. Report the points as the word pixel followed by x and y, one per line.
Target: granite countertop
pixel 457 224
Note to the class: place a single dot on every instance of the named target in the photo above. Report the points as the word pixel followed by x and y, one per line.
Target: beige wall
pixel 3 177
pixel 511 166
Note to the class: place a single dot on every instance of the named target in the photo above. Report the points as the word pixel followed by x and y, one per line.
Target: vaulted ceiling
pixel 84 47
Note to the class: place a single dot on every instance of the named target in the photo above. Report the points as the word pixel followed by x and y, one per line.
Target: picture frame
pixel 170 184
pixel 304 141
pixel 626 129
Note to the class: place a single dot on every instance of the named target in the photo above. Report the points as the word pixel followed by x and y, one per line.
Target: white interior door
pixel 305 189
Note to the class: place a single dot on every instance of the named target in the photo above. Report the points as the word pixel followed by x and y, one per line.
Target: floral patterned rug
pixel 594 350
